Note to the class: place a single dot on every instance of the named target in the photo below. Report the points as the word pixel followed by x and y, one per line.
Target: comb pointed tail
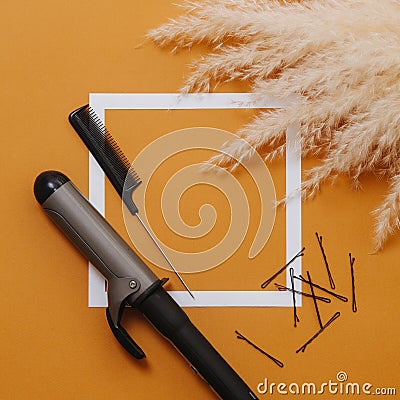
pixel 114 163
pixel 164 255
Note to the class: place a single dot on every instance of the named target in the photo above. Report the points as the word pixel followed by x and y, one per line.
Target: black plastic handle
pixel 123 338
pixel 170 320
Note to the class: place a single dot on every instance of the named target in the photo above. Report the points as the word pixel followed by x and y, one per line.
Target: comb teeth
pixel 104 148
pixel 108 138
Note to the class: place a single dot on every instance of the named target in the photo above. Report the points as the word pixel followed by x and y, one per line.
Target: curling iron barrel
pixel 131 282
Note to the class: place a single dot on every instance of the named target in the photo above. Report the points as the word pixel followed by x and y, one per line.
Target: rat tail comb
pixel 115 165
pixel 107 153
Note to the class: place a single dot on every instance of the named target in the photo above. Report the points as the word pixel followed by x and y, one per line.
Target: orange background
pixel 52 346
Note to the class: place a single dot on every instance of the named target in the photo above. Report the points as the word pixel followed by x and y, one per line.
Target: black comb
pixel 115 165
pixel 107 153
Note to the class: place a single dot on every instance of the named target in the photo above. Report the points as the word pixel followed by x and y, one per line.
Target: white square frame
pixel 101 102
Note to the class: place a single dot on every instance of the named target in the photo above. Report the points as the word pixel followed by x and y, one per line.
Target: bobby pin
pixel 315 300
pixel 331 282
pixel 338 296
pixel 353 287
pixel 276 361
pixel 269 280
pixel 283 288
pixel 295 316
pixel 303 348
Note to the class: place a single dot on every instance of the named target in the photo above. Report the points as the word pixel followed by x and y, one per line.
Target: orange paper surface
pixel 52 345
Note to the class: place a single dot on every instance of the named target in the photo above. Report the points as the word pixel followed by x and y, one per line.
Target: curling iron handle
pixel 170 320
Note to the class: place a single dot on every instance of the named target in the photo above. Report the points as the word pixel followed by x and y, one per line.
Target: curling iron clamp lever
pixel 118 292
pixel 123 337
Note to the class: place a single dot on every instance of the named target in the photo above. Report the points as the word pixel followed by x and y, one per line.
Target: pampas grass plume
pixel 341 58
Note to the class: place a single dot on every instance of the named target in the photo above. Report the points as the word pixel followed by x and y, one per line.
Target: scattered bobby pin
pixel 269 280
pixel 353 287
pixel 276 361
pixel 284 288
pixel 303 348
pixel 338 296
pixel 295 316
pixel 315 300
pixel 331 282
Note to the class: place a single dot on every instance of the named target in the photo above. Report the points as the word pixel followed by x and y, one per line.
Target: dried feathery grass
pixel 340 58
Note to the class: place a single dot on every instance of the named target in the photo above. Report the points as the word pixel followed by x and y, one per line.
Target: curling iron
pixel 131 282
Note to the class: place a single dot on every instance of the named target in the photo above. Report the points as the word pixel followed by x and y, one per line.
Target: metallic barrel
pixel 93 235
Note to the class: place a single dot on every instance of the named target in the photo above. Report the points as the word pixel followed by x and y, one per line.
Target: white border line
pixel 172 101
